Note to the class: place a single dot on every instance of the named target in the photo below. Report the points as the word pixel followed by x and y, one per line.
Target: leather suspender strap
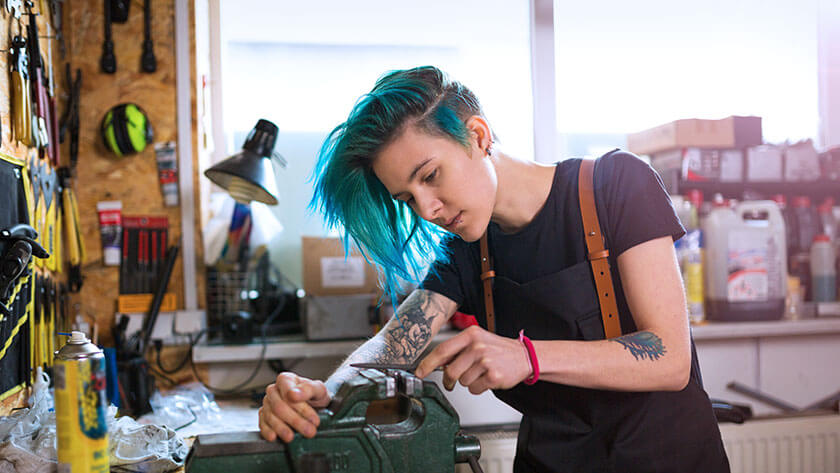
pixel 594 246
pixel 597 253
pixel 487 275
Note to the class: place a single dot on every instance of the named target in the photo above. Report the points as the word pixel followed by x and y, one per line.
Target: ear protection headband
pixel 125 129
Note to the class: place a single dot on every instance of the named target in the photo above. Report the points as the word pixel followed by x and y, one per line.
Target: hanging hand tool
pixel 52 315
pixel 21 103
pixel 39 92
pixel 58 261
pixel 37 317
pixel 15 7
pixel 42 325
pixel 72 225
pixel 70 119
pixel 37 174
pixel 120 10
pixel 108 62
pixel 417 431
pixel 47 333
pixel 55 16
pixel 144 243
pixel 148 61
pixel 124 271
pixel 53 116
pixel 153 266
pixel 49 183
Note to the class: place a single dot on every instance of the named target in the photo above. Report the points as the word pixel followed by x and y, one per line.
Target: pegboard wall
pixel 99 174
pixel 33 56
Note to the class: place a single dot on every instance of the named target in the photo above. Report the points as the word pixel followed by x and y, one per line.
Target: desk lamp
pixel 247 175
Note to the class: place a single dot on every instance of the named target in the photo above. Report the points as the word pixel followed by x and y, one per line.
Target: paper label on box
pixel 338 271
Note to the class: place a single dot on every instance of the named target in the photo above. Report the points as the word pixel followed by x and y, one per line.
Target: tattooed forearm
pixel 642 345
pixel 402 339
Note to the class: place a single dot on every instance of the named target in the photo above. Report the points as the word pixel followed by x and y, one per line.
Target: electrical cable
pixel 158 345
pixel 238 388
pixel 163 376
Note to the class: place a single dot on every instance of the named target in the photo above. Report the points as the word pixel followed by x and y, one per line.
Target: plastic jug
pixel 746 262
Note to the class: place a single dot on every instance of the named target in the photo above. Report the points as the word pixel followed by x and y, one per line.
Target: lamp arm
pixel 280 159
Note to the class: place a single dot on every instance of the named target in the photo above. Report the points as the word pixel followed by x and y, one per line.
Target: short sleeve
pixel 636 204
pixel 444 277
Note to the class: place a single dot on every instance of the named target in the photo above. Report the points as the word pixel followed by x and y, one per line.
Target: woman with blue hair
pixel 599 361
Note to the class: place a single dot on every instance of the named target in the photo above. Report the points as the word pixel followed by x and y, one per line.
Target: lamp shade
pixel 248 175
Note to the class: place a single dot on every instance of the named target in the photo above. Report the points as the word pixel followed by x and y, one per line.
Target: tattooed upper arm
pixel 418 319
pixel 404 337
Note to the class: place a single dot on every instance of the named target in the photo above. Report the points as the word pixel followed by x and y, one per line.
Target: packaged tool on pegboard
pixel 167 164
pixel 143 253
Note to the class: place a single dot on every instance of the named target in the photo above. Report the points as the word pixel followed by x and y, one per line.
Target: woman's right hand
pixel 289 405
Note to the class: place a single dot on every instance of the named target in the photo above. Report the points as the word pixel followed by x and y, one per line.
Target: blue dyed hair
pixel 351 197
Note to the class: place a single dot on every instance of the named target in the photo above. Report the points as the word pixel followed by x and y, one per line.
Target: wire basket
pixel 260 296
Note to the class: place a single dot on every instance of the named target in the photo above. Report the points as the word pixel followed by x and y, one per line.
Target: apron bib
pixel 566 428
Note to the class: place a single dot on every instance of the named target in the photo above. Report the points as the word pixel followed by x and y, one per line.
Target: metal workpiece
pixel 382 421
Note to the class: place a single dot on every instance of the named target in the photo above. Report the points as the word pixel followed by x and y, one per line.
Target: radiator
pixel 806 444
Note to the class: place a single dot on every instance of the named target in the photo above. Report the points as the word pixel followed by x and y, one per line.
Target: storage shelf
pixel 284 347
pixel 821 188
pixel 295 346
pixel 775 328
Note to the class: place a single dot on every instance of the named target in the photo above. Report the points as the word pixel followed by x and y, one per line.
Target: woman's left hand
pixel 479 360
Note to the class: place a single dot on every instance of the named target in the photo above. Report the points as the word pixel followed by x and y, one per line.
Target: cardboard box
pixel 764 163
pixel 729 133
pixel 326 272
pixel 802 162
pixel 698 164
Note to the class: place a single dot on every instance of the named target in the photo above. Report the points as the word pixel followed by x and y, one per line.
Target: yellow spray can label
pixel 80 409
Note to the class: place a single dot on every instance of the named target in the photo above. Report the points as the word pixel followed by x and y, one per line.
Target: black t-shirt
pixel 633 207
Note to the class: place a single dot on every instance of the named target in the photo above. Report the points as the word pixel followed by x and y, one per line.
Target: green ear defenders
pixel 126 129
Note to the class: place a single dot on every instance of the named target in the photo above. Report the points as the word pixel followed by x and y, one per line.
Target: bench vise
pixel 381 421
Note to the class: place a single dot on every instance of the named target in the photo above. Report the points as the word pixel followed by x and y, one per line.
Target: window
pixel 627 66
pixel 303 65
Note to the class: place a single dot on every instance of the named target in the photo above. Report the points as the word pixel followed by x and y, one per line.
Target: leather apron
pixel 571 429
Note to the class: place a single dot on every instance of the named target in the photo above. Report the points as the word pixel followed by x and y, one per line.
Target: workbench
pixel 792 360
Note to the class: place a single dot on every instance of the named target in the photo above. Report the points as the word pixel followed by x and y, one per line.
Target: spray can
pixel 80 407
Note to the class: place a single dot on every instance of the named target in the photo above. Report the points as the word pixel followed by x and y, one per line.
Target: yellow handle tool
pixel 75 244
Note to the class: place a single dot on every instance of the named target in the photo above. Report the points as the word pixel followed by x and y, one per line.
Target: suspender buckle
pixel 603 254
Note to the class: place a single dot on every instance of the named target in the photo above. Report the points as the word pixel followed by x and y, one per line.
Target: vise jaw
pixel 380 421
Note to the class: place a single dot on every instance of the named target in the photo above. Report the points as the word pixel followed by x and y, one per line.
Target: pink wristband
pixel 532 358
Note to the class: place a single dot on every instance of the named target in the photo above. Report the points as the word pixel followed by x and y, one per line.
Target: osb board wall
pixel 132 179
pixel 8 144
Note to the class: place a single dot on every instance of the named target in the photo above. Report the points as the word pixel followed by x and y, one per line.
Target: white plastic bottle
pixel 746 269
pixel 823 271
